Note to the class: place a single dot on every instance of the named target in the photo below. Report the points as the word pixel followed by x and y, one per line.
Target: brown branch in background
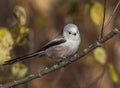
pixel 63 63
pixel 103 23
pixel 109 19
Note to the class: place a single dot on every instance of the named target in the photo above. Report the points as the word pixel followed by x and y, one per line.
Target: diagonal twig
pixel 109 19
pixel 103 23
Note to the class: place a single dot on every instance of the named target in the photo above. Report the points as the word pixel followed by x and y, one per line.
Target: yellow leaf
pixel 96 13
pixel 24 30
pixel 2 32
pixel 19 70
pixel 100 55
pixel 22 34
pixel 6 44
pixel 21 15
pixel 113 73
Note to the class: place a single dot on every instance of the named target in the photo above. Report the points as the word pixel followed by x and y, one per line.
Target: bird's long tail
pixel 38 53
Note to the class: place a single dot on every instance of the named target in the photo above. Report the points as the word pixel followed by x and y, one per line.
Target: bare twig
pixel 103 23
pixel 63 63
pixel 109 19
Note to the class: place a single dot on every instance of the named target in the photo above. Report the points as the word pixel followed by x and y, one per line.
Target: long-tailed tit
pixel 62 47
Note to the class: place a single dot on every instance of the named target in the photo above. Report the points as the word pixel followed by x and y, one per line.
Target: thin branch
pixel 63 63
pixel 109 19
pixel 103 23
pixel 115 9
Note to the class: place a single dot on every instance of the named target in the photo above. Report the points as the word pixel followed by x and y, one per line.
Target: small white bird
pixel 62 47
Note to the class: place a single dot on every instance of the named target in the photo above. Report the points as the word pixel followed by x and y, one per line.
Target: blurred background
pixel 26 25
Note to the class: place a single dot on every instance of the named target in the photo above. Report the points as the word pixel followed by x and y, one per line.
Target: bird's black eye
pixel 69 32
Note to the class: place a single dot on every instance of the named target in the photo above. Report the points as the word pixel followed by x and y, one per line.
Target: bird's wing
pixel 54 42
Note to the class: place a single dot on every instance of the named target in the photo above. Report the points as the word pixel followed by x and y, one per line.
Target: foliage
pixel 6 44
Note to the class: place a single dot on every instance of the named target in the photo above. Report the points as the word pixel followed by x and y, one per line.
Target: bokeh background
pixel 26 25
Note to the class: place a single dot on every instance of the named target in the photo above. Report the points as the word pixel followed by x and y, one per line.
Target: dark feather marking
pixel 53 43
